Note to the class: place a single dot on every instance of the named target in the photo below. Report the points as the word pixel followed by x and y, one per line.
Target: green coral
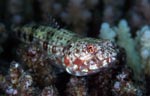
pixel 143 44
pixel 125 40
pixel 106 32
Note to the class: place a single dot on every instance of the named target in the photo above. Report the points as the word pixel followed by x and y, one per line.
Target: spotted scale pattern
pixel 79 56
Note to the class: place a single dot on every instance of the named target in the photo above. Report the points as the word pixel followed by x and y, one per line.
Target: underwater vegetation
pixel 27 70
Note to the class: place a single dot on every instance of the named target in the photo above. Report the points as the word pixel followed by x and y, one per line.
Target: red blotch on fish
pixel 78 62
pixel 66 61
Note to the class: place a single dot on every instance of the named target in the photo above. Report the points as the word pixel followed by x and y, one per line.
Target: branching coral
pixel 17 82
pixel 143 42
pixel 77 86
pixel 36 60
pixel 125 41
pixel 49 91
pixel 106 32
pixel 137 50
pixel 124 86
pixel 21 83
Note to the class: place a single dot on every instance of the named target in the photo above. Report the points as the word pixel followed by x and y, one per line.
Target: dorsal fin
pixel 54 23
pixel 50 21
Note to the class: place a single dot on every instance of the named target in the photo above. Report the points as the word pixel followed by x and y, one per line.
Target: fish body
pixel 79 56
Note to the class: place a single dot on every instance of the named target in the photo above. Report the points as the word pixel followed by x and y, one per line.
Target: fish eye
pixel 91 49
